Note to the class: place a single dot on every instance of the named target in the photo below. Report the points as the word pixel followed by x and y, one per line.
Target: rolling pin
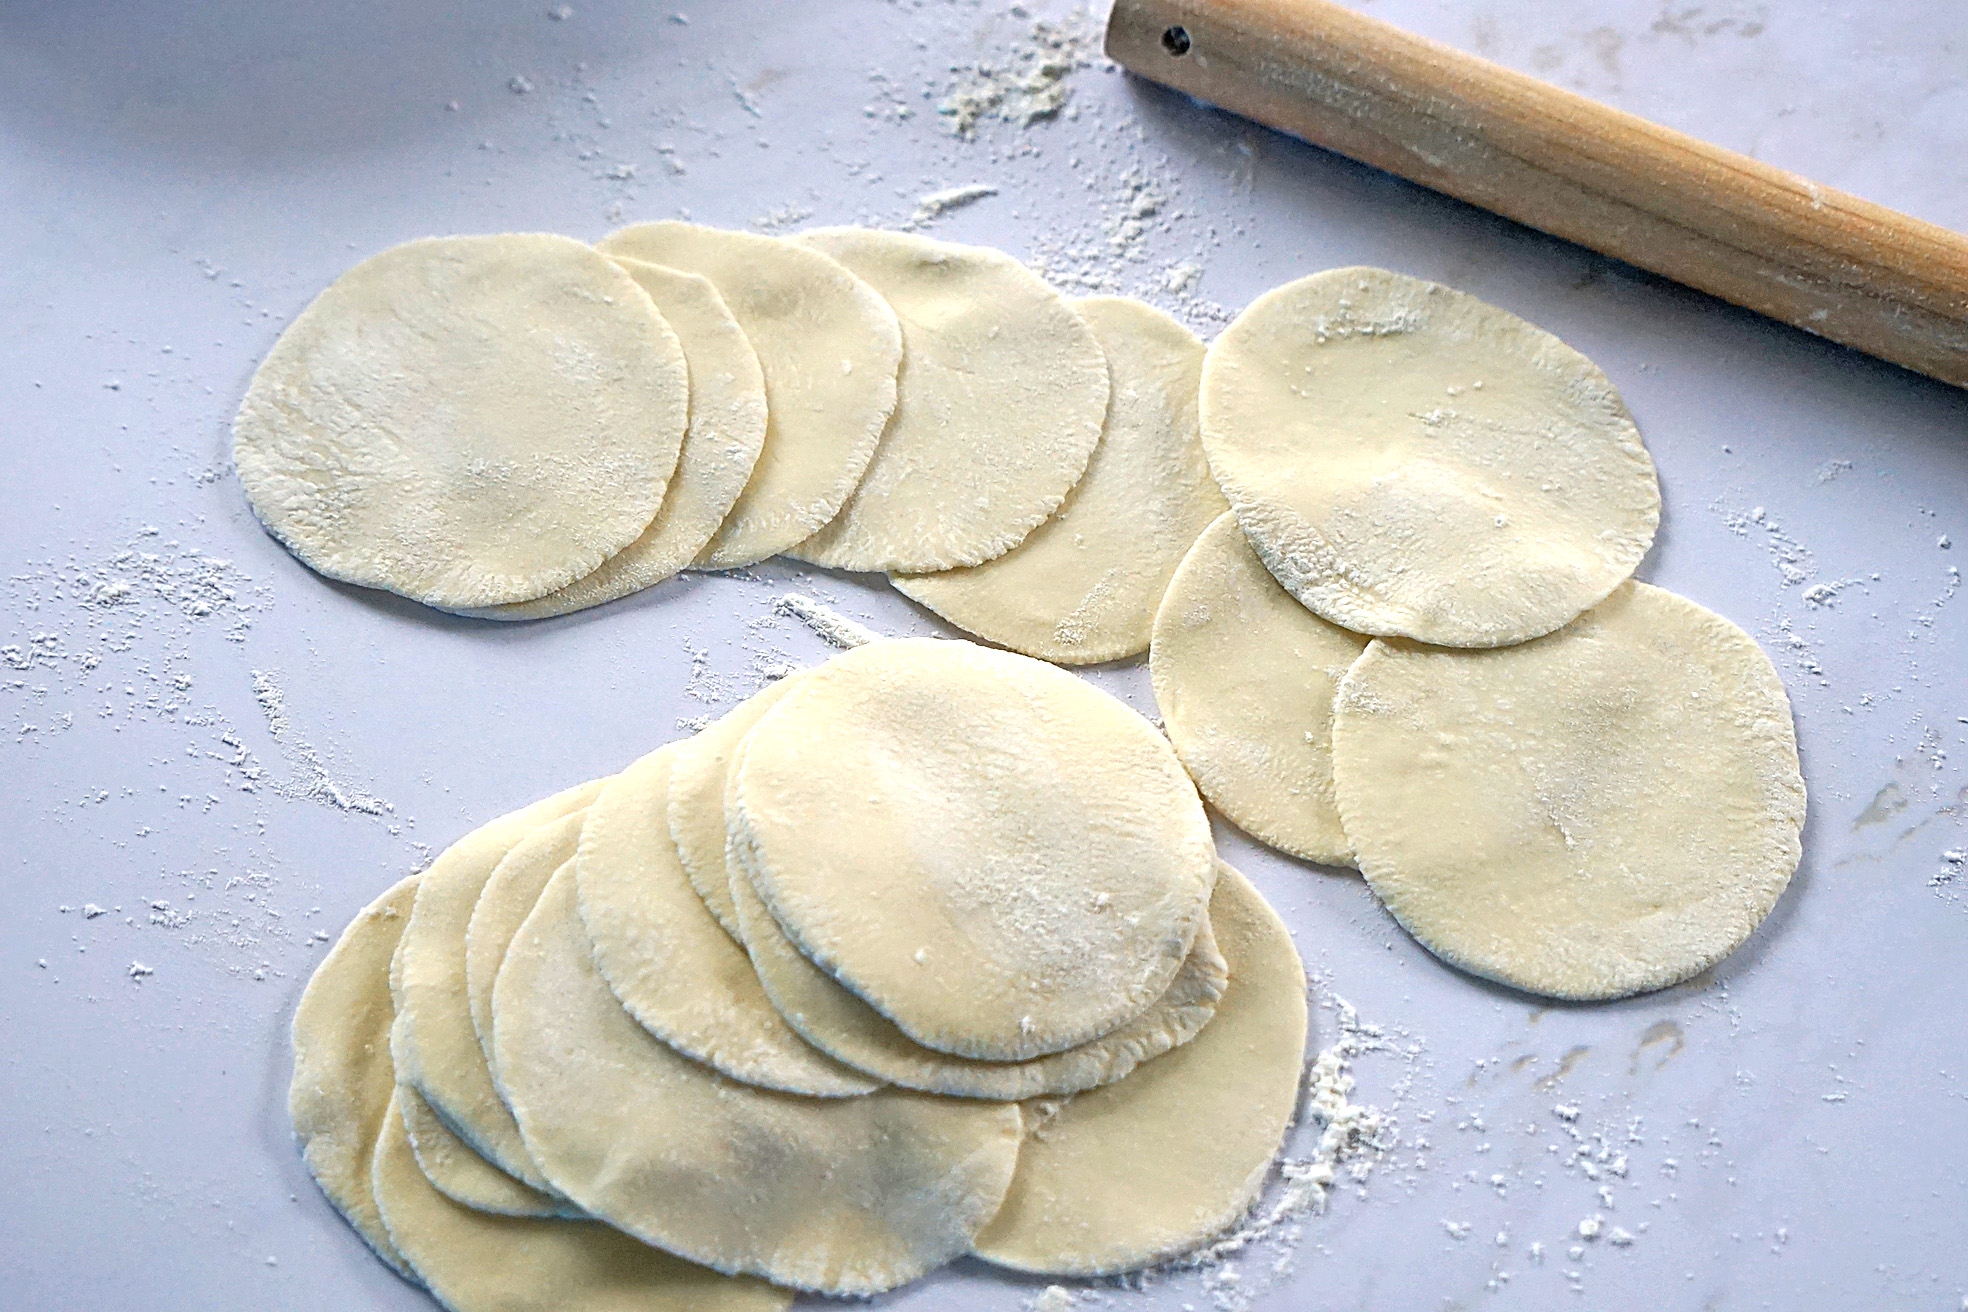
pixel 1770 241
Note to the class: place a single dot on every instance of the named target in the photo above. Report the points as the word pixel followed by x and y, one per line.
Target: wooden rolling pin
pixel 1805 255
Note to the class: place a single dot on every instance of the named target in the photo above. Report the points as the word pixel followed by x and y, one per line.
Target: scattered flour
pixel 936 204
pixel 833 627
pixel 1028 86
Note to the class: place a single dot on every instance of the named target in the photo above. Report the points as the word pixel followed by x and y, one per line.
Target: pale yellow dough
pixel 667 959
pixel 1245 678
pixel 847 1028
pixel 434 1043
pixel 1000 401
pixel 835 1195
pixel 1000 858
pixel 460 1174
pixel 1409 461
pixel 1084 585
pixel 469 421
pixel 829 347
pixel 475 1261
pixel 697 776
pixel 340 1095
pixel 1603 811
pixel 1140 1171
pixel 721 445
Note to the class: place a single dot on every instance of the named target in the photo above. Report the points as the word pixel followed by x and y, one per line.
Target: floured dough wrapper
pixel 1137 1172
pixel 478 1262
pixel 463 1176
pixel 834 1195
pixel 340 1095
pixel 997 856
pixel 829 347
pixel 1002 393
pixel 1607 810
pixel 842 1025
pixel 434 1043
pixel 1409 461
pixel 1245 678
pixel 669 961
pixel 697 775
pixel 468 421
pixel 1083 586
pixel 721 445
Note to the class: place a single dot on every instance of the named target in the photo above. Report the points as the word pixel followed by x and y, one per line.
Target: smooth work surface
pixel 213 757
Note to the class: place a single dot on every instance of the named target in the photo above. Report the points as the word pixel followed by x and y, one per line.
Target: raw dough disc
pixel 460 1174
pixel 667 959
pixel 842 1025
pixel 720 446
pixel 1084 585
pixel 838 1195
pixel 697 776
pixel 1245 678
pixel 829 348
pixel 1137 1172
pixel 468 421
pixel 1000 402
pixel 343 1080
pixel 1607 810
pixel 477 1262
pixel 1410 461
pixel 434 1043
pixel 1000 858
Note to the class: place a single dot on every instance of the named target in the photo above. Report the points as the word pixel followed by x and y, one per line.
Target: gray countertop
pixel 213 757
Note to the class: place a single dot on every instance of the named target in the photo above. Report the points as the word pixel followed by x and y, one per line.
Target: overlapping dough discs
pixel 433 1042
pixel 721 445
pixel 1002 393
pixel 1606 810
pixel 668 960
pixel 1000 858
pixel 697 773
pixel 1130 1174
pixel 1408 461
pixel 477 1262
pixel 1083 586
pixel 460 1174
pixel 837 1195
pixel 829 348
pixel 469 421
pixel 1245 678
pixel 847 1028
pixel 343 1079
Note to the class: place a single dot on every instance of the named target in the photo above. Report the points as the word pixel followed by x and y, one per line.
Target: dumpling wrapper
pixel 834 1195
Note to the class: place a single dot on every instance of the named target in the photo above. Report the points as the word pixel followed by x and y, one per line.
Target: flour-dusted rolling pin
pixel 1806 255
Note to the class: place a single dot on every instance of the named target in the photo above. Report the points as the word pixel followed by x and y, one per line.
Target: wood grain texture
pixel 1771 241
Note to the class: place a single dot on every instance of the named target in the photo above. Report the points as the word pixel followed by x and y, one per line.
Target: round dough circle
pixel 999 405
pixel 460 1174
pixel 697 777
pixel 1245 678
pixel 1409 461
pixel 668 960
pixel 835 1195
pixel 721 445
pixel 1604 811
pixel 846 1028
pixel 434 1043
pixel 829 347
pixel 343 1081
pixel 468 421
pixel 1083 586
pixel 1137 1172
pixel 478 1262
pixel 1000 858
